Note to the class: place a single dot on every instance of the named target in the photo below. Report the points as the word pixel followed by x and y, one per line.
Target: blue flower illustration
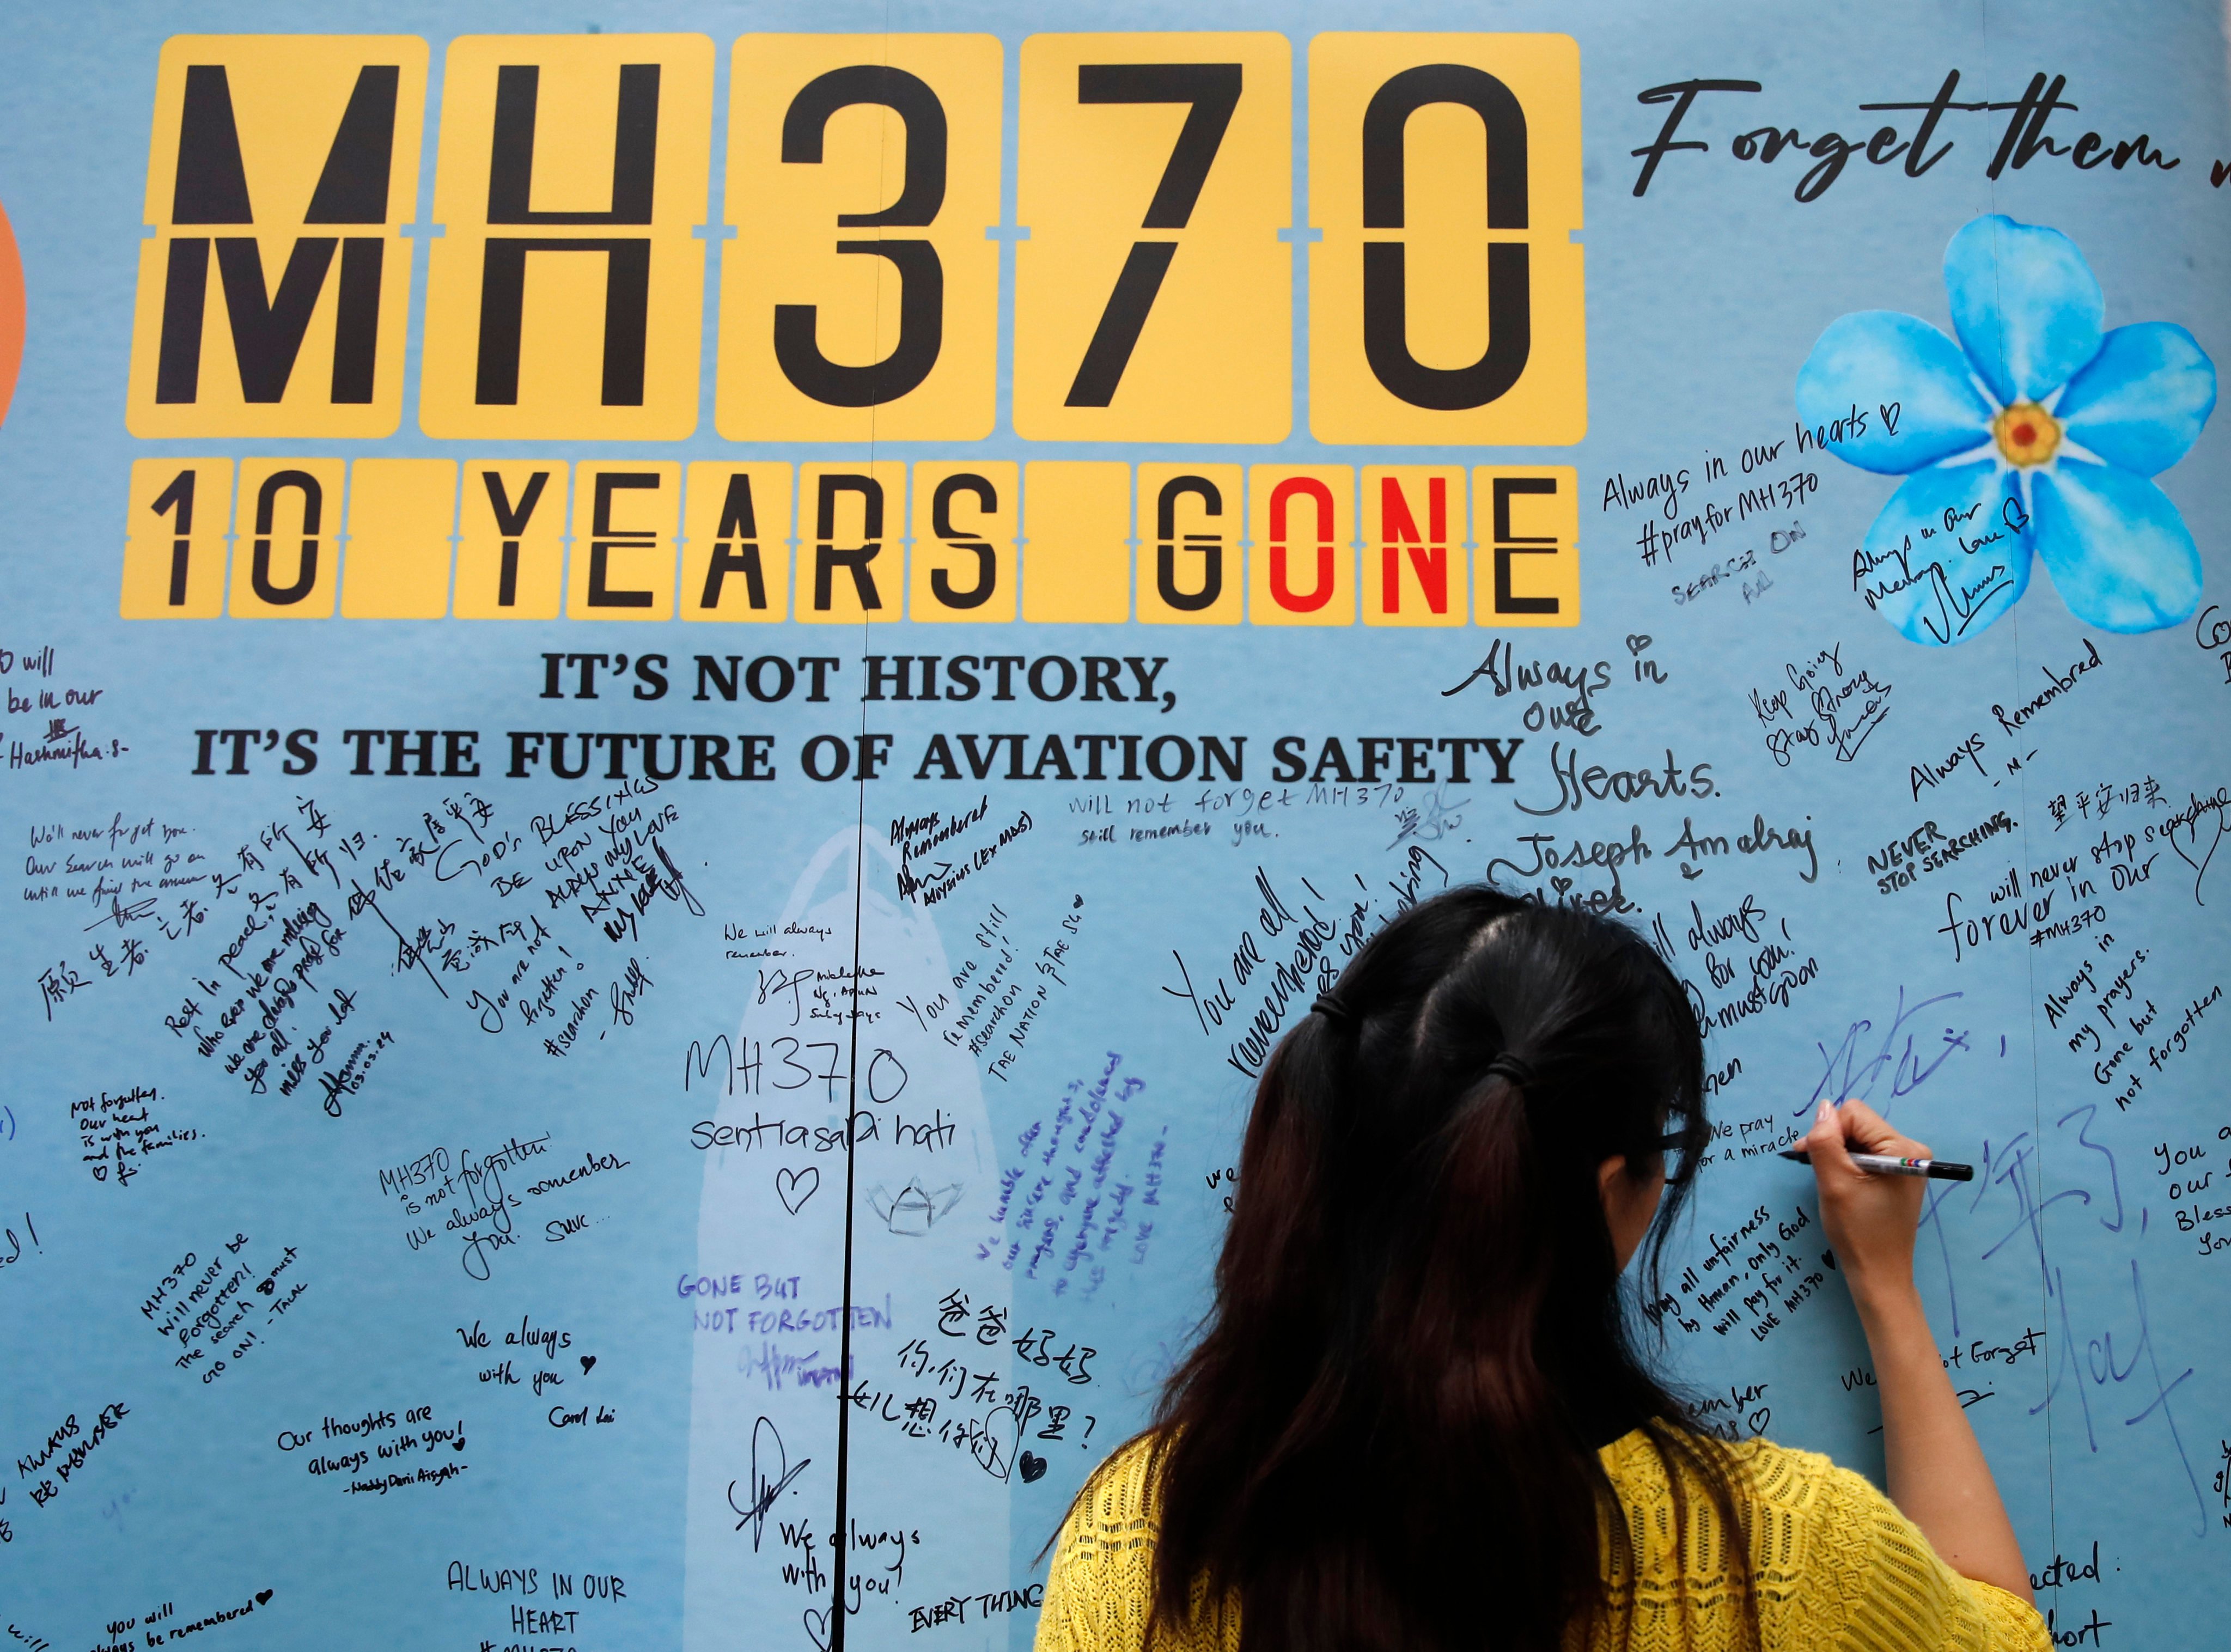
pixel 2034 435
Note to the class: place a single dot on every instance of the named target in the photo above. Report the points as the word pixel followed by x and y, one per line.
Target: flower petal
pixel 2141 402
pixel 2025 304
pixel 2119 553
pixel 1900 383
pixel 1941 562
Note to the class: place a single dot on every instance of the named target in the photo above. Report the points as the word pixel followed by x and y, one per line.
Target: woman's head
pixel 1419 1340
pixel 1396 1083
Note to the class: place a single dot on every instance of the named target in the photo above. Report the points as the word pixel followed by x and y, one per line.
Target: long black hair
pixel 1386 1438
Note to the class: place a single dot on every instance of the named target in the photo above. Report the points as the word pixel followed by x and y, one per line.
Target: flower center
pixel 2026 434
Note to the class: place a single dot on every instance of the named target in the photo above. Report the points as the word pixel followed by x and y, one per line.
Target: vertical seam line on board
pixel 2037 1099
pixel 2037 1123
pixel 838 1546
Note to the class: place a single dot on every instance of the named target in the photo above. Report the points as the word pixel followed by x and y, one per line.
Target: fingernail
pixel 1827 1111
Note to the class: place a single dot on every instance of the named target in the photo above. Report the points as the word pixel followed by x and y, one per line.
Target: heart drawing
pixel 1033 1467
pixel 817 1626
pixel 794 1187
pixel 588 1363
pixel 263 1598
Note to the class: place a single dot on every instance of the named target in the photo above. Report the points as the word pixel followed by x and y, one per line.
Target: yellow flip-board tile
pixel 862 301
pixel 851 550
pixel 1445 299
pixel 511 540
pixel 565 299
pixel 625 517
pixel 287 565
pixel 274 293
pixel 1190 522
pixel 1077 541
pixel 176 516
pixel 1300 556
pixel 400 514
pixel 1414 566
pixel 735 542
pixel 966 517
pixel 1526 522
pixel 1154 300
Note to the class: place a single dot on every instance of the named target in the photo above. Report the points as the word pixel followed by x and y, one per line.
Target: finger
pixel 1865 1129
pixel 1825 1145
pixel 1870 1133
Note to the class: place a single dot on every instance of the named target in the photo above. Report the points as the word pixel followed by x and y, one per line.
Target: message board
pixel 687 701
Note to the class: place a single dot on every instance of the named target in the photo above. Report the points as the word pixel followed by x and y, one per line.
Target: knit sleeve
pixel 1065 1579
pixel 1888 1591
pixel 1102 1577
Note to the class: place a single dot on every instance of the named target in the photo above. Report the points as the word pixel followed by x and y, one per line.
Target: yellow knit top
pixel 1836 1566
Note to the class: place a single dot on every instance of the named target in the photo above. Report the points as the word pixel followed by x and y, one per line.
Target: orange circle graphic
pixel 11 314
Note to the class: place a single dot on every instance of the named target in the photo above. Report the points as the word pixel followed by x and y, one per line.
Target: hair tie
pixel 1512 1069
pixel 1329 1005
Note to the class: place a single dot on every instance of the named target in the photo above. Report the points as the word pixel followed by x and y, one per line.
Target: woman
pixel 1417 1420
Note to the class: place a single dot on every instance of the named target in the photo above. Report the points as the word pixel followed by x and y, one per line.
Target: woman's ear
pixel 1629 1204
pixel 1606 1173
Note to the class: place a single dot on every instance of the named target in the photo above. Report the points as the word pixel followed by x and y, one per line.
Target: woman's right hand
pixel 1933 1468
pixel 1870 1220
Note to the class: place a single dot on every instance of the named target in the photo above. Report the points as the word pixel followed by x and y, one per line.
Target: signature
pixel 1849 1071
pixel 766 1484
pixel 1431 824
